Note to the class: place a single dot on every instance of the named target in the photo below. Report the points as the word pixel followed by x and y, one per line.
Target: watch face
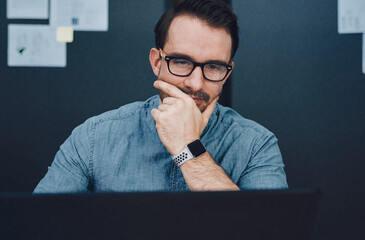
pixel 196 148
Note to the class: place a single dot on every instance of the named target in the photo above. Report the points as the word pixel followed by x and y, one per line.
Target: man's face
pixel 189 36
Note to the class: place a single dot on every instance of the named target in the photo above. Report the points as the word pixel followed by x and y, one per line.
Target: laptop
pixel 282 214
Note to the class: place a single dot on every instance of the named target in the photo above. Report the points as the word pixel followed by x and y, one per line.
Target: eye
pixel 181 62
pixel 214 67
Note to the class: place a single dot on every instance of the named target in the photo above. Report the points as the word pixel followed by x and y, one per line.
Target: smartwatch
pixel 192 150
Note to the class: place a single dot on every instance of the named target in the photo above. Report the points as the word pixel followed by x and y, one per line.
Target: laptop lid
pixel 287 214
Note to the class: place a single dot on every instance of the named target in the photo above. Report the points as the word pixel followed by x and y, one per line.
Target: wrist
pixel 179 146
pixel 192 150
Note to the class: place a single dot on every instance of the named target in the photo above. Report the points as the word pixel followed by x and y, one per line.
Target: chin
pixel 202 107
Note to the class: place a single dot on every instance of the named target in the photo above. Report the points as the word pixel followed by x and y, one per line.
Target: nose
pixel 195 79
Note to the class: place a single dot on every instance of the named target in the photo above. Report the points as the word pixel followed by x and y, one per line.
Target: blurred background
pixel 294 74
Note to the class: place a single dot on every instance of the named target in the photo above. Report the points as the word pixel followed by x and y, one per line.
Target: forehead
pixel 191 36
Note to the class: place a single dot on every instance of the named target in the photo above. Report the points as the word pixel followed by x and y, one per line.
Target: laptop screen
pixel 286 214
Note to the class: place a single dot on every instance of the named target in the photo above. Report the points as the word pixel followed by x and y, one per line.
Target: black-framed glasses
pixel 182 67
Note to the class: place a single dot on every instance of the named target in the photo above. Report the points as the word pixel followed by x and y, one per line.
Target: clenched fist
pixel 178 119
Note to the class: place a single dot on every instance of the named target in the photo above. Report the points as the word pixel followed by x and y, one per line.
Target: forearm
pixel 176 130
pixel 203 174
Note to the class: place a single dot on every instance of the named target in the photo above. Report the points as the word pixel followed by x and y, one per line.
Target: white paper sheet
pixel 363 53
pixel 351 16
pixel 34 46
pixel 82 15
pixel 27 9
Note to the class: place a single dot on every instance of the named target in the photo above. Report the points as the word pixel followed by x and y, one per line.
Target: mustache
pixel 196 94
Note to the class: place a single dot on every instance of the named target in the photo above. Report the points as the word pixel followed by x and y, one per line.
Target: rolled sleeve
pixel 265 169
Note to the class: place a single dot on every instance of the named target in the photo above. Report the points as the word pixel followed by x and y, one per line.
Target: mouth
pixel 197 100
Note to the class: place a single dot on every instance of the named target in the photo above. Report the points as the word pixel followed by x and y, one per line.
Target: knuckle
pixel 154 114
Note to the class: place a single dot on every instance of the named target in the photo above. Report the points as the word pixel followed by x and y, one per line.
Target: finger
pixel 163 107
pixel 154 113
pixel 169 89
pixel 209 110
pixel 169 100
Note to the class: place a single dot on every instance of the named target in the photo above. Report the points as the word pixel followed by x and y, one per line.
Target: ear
pixel 155 61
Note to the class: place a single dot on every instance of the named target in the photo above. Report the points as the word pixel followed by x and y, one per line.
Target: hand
pixel 178 119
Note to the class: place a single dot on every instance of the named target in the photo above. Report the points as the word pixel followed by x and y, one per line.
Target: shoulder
pixel 126 113
pixel 239 133
pixel 229 118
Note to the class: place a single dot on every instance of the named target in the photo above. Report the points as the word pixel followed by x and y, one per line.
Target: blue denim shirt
pixel 120 151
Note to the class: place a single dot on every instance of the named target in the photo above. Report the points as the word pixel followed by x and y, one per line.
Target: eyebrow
pixel 187 57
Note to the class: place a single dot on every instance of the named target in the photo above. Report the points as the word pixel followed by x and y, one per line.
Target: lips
pixel 197 100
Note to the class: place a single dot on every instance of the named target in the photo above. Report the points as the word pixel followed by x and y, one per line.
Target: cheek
pixel 214 90
pixel 166 76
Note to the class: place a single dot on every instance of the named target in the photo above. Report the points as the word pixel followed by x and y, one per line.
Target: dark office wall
pixel 39 107
pixel 297 76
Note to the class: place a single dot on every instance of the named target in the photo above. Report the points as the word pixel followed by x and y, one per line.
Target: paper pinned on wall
pixel 81 15
pixel 351 16
pixel 34 46
pixel 65 34
pixel 27 9
pixel 363 53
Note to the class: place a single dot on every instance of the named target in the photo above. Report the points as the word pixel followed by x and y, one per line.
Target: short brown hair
pixel 216 13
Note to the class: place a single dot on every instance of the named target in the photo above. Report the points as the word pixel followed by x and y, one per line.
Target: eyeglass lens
pixel 183 67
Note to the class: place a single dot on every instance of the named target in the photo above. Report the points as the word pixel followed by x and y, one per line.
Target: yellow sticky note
pixel 65 34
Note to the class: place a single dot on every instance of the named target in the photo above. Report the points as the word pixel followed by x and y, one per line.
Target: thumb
pixel 209 110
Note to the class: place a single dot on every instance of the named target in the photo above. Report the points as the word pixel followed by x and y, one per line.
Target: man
pixel 182 139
